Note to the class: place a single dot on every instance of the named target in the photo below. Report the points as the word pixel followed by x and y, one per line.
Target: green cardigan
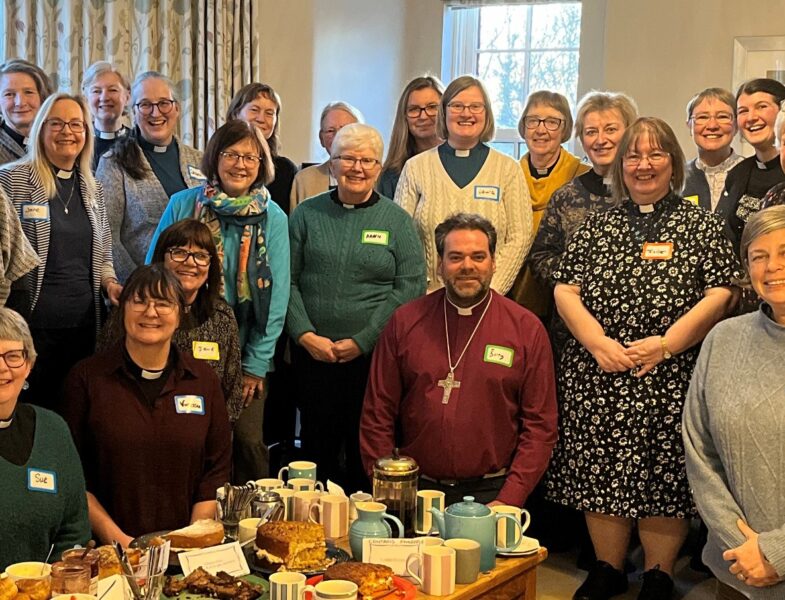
pixel 351 268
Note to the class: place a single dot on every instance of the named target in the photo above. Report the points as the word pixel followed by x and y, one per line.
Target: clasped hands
pixel 749 563
pixel 325 350
pixel 613 357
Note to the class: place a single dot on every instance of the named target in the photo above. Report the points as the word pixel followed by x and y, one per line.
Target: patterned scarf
pixel 254 278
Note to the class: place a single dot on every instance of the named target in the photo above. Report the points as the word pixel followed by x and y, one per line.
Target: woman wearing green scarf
pixel 251 234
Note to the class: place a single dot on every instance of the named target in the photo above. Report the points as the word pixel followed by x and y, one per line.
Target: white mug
pixel 332 512
pixel 287 495
pixel 302 504
pixel 427 499
pixel 301 484
pixel 246 529
pixel 268 484
pixel 335 589
pixel 506 531
pixel 437 570
pixel 353 500
pixel 287 586
pixel 299 468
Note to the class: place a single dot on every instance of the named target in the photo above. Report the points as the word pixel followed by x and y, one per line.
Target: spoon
pixel 90 546
pixel 46 560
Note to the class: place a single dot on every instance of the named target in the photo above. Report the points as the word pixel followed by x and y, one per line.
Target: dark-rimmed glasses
pixel 14 359
pixel 248 159
pixel 458 107
pixel 655 158
pixel 180 255
pixel 551 123
pixel 349 161
pixel 162 307
pixel 57 125
pixel 164 106
pixel 413 111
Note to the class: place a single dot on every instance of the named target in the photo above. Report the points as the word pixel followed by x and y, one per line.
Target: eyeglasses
pixel 349 161
pixel 181 255
pixel 163 106
pixel 655 158
pixel 14 358
pixel 721 118
pixel 162 307
pixel 458 107
pixel 413 111
pixel 57 125
pixel 551 123
pixel 249 159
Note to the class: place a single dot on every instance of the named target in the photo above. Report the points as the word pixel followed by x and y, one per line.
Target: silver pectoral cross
pixel 448 383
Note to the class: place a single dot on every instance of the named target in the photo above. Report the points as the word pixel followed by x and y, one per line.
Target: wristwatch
pixel 666 354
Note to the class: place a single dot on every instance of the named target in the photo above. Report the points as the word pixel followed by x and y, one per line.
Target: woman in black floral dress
pixel 639 287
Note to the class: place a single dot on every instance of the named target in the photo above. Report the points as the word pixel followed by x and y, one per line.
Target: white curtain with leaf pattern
pixel 207 47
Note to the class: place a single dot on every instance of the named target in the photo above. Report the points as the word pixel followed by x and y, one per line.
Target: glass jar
pixel 92 558
pixel 70 578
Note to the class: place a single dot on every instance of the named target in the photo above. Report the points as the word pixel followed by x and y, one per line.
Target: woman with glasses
pixel 61 208
pixel 149 421
pixel 464 174
pixel 546 124
pixel 23 88
pixel 317 179
pixel 639 286
pixel 144 169
pixel 757 104
pixel 711 119
pixel 260 105
pixel 355 259
pixel 251 237
pixel 49 509
pixel 414 129
pixel 107 93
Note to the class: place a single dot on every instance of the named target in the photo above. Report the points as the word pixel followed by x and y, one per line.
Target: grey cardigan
pixel 734 432
pixel 135 206
pixel 9 149
pixel 22 186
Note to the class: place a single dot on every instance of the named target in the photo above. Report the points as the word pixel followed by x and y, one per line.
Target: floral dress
pixel 620 450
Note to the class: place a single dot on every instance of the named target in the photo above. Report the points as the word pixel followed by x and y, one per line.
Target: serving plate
pixel 254 579
pixel 332 552
pixel 143 542
pixel 526 547
pixel 404 590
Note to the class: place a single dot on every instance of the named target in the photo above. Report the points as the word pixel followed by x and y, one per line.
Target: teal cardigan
pixel 259 349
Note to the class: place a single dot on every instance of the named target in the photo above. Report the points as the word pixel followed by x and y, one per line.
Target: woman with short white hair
pixel 107 93
pixel 355 259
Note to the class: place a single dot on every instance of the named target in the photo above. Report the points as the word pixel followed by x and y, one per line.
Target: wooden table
pixel 512 579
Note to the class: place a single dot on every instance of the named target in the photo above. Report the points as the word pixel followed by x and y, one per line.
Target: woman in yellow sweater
pixel 545 125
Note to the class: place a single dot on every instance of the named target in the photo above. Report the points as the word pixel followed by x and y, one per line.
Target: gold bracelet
pixel 666 354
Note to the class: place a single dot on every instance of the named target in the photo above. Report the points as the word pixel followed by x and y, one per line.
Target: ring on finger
pixel 741 577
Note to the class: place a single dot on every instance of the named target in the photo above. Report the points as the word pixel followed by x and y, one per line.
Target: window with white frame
pixel 515 49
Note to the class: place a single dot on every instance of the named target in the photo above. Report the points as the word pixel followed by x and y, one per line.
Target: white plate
pixel 526 547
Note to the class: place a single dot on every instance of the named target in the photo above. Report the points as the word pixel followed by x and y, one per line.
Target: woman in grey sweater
pixel 734 424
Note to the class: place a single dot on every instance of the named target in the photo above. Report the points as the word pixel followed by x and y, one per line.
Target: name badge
pixel 206 350
pixel 189 405
pixel 499 355
pixel 35 212
pixel 487 192
pixel 375 236
pixel 39 480
pixel 657 251
pixel 195 173
pixel 693 199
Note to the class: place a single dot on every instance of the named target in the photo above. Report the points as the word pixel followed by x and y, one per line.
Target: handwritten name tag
pixel 375 236
pixel 657 251
pixel 500 355
pixel 35 212
pixel 693 199
pixel 39 480
pixel 195 173
pixel 189 405
pixel 206 350
pixel 487 192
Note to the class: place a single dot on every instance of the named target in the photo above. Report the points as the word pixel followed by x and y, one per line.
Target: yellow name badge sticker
pixel 487 192
pixel 40 480
pixel 376 236
pixel 206 350
pixel 35 212
pixel 693 199
pixel 657 251
pixel 500 355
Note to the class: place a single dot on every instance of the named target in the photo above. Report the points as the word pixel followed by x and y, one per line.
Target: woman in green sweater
pixel 356 257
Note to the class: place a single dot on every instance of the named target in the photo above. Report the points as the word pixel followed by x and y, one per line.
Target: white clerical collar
pixel 6 424
pixel 160 149
pixel 63 174
pixel 607 180
pixel 467 311
pixel 106 135
pixel 646 208
pixel 349 206
pixel 152 375
pixel 26 141
pixel 460 153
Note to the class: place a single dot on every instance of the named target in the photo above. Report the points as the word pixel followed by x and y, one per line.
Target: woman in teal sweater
pixel 356 257
pixel 250 233
pixel 44 501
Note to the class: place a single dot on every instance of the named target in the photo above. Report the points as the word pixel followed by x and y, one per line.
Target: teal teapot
pixel 475 521
pixel 371 523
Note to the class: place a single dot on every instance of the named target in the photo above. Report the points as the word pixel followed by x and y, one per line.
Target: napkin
pixel 335 489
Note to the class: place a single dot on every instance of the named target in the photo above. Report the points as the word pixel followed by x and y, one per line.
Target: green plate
pixel 254 579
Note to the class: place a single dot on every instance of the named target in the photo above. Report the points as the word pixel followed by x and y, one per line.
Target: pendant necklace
pixel 70 196
pixel 449 383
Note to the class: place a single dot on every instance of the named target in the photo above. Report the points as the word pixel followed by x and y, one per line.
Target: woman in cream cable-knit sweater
pixel 465 175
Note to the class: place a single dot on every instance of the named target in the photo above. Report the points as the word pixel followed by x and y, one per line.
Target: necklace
pixel 70 196
pixel 449 383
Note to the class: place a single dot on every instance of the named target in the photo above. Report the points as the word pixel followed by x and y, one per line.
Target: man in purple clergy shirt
pixel 462 380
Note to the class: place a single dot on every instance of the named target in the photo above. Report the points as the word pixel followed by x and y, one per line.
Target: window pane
pixel 503 27
pixel 556 26
pixel 505 148
pixel 555 71
pixel 502 74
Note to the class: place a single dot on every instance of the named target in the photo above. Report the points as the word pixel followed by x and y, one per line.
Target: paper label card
pixel 500 355
pixel 487 192
pixel 225 557
pixel 392 552
pixel 206 350
pixel 39 480
pixel 35 212
pixel 657 251
pixel 189 405
pixel 377 237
